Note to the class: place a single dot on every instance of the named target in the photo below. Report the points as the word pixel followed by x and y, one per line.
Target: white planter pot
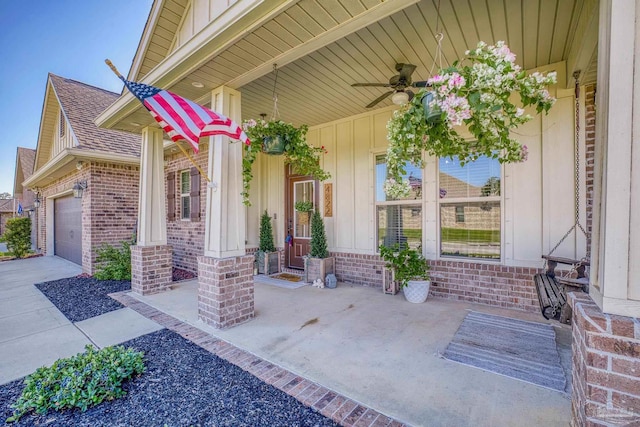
pixel 417 291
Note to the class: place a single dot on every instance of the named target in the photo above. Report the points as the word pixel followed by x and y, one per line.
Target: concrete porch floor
pixel 382 351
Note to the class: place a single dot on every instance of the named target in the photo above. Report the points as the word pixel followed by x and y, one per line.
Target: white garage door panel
pixel 68 228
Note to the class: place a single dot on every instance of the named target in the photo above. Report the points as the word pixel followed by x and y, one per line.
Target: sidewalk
pixel 34 333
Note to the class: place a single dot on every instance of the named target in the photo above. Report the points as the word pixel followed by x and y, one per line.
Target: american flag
pixel 184 119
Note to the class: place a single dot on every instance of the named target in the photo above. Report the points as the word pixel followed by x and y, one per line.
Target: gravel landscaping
pixel 184 385
pixel 80 298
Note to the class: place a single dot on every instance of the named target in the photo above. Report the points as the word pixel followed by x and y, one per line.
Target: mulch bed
pixel 80 298
pixel 184 385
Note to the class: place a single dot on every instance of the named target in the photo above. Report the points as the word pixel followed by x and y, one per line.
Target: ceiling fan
pixel 398 83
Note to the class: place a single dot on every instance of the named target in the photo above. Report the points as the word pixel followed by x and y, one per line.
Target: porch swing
pixel 551 287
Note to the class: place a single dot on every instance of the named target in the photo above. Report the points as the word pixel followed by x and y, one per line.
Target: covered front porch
pixel 383 352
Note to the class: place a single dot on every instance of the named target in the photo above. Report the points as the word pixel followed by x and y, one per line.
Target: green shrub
pixel 266 234
pixel 407 264
pixel 81 381
pixel 115 263
pixel 318 237
pixel 18 236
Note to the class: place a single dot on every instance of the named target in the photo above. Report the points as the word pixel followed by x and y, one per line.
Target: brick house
pixel 25 158
pixel 223 56
pixel 73 154
pixel 7 211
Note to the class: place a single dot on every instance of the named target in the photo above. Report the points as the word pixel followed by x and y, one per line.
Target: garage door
pixel 67 231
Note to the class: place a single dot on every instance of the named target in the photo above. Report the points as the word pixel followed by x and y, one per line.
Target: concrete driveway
pixel 34 333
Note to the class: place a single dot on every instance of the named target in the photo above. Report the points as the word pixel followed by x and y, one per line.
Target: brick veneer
pixel 606 366
pixel 225 290
pixel 490 284
pixel 151 269
pixel 109 207
pixel 186 236
pixel 589 155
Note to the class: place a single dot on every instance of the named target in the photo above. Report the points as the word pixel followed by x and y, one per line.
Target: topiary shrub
pixel 318 237
pixel 266 234
pixel 81 381
pixel 18 236
pixel 115 263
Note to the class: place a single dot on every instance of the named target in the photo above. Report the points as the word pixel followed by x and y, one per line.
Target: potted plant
pixel 410 269
pixel 267 257
pixel 278 137
pixel 318 264
pixel 477 93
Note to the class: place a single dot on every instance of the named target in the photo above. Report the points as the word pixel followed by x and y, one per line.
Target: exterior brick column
pixel 606 366
pixel 225 290
pixel 151 269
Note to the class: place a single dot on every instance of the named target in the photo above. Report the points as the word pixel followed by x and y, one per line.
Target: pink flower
pixel 436 79
pixel 506 53
pixel 524 153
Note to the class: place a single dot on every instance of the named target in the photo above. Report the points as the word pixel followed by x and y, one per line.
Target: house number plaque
pixel 328 197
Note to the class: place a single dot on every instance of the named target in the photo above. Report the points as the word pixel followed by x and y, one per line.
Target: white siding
pixel 197 15
pixel 60 142
pixel 538 195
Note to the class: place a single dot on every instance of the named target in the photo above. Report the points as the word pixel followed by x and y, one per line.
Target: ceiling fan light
pixel 400 98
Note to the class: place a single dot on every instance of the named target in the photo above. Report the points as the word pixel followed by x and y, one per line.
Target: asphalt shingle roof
pixel 27 157
pixel 6 205
pixel 81 104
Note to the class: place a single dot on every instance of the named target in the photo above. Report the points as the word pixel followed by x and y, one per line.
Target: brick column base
pixel 225 290
pixel 151 269
pixel 606 366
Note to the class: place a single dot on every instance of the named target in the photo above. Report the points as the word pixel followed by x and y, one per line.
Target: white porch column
pixel 616 218
pixel 225 281
pixel 225 213
pixel 152 212
pixel 151 263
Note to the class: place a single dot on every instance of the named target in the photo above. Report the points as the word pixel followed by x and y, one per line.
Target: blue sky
pixel 70 38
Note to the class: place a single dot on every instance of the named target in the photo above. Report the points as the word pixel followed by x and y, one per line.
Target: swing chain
pixel 576 224
pixel 275 114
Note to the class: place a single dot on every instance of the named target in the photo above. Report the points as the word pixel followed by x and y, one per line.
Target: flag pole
pixel 117 73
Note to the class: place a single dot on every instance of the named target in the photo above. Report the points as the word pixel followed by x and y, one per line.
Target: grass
pixel 466 236
pixel 450 235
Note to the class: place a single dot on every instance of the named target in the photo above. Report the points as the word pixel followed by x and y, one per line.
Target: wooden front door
pixel 299 188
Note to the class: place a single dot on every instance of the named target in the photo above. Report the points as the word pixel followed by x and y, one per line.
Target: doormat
pixel 282 283
pixel 287 276
pixel 514 348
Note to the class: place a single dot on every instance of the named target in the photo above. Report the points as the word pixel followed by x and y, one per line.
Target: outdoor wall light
pixel 400 97
pixel 79 188
pixel 36 202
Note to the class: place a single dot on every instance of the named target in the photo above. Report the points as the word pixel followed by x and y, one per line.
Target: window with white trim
pixel 469 200
pixel 185 194
pixel 398 220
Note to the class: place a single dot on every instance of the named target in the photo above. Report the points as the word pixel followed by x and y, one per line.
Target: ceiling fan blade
pixel 380 98
pixel 406 71
pixel 423 83
pixel 371 85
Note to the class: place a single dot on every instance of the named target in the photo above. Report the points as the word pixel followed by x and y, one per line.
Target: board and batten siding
pixel 61 139
pixel 197 15
pixel 537 195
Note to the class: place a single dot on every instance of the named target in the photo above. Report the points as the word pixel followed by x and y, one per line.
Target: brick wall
pixel 113 207
pixel 590 143
pixel 606 366
pixel 109 207
pixel 186 236
pixel 151 269
pixel 490 284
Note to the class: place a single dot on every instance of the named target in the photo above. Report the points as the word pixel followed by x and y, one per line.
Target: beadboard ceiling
pixel 316 87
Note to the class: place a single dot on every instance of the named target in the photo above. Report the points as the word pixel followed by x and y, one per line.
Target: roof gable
pixel 25 158
pixel 80 104
pixel 158 37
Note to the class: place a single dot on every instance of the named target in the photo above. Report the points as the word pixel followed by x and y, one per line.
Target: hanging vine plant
pixel 475 92
pixel 277 137
pixel 303 158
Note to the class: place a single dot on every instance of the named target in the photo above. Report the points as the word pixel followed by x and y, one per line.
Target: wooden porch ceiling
pixel 315 87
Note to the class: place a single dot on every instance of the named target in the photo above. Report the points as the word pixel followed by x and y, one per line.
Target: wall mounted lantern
pixel 36 202
pixel 79 188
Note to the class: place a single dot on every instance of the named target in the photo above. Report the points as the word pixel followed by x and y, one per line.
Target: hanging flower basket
pixel 476 95
pixel 303 158
pixel 432 113
pixel 273 144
